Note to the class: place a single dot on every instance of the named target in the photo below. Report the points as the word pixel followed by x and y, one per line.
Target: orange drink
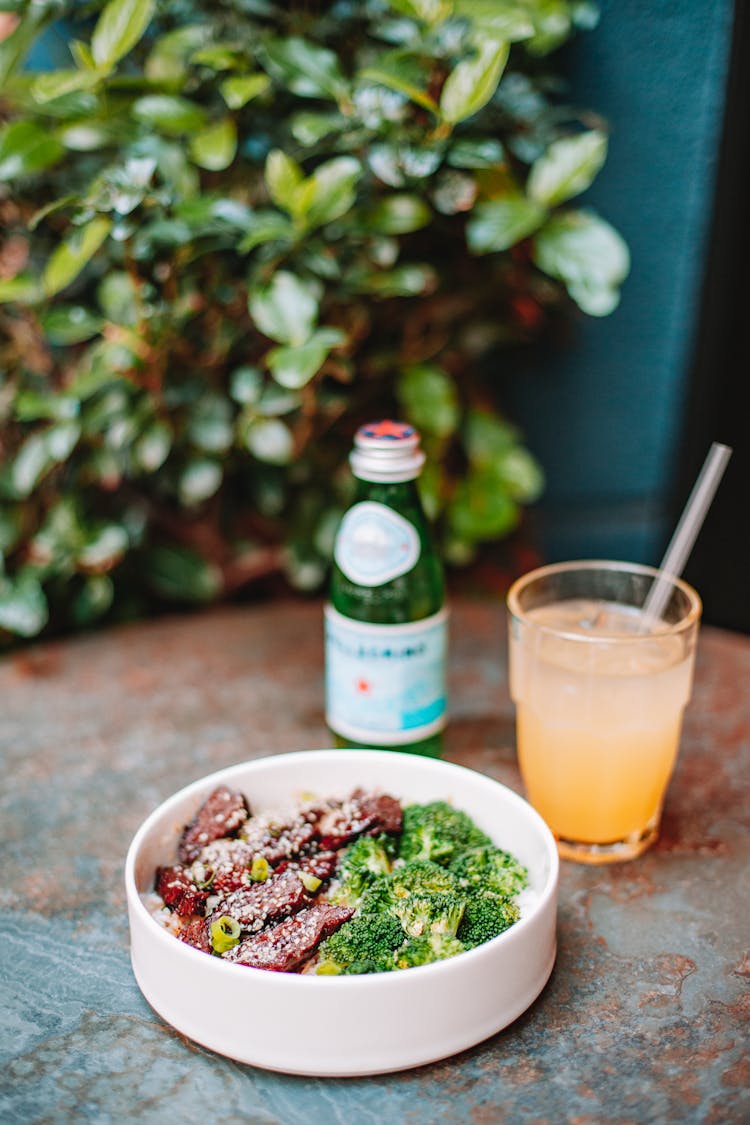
pixel 599 703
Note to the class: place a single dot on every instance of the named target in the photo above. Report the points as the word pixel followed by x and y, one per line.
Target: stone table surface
pixel 645 1018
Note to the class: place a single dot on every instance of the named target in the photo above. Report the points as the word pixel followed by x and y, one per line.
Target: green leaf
pixel 283 177
pixel 481 509
pixel 471 84
pixel 429 398
pixel 152 447
pixel 270 440
pixel 104 547
pixel 118 29
pixel 267 226
pixel 332 193
pixel 71 256
pixel 23 606
pixel 200 480
pixel 61 439
pixel 285 310
pixel 25 148
pixel 587 255
pixel 218 56
pixel 242 88
pixel 70 324
pixel 521 475
pixel 167 61
pixel 567 167
pixel 30 464
pixel 404 281
pixel 58 83
pixel 246 384
pixel 398 213
pixel 475 152
pixel 552 25
pixel 497 224
pixel 431 12
pixel 499 19
pixel 39 453
pixel 214 148
pixel 118 297
pixel 325 195
pixel 488 438
pixel 182 575
pixel 210 425
pixel 212 214
pixel 306 69
pixel 85 137
pixel 22 288
pixel 294 367
pixel 390 72
pixel 93 599
pixel 33 406
pixel 309 128
pixel 82 55
pixel 169 113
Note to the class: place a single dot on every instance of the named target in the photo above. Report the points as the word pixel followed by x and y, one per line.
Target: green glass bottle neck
pixel 394 494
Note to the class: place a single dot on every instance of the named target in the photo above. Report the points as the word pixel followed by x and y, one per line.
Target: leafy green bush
pixel 235 230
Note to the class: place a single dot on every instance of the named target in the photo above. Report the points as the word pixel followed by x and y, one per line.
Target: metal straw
pixel 685 534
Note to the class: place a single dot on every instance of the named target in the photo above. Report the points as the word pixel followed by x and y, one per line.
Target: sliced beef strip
pixel 228 861
pixel 179 892
pixel 260 904
pixel 278 841
pixel 196 933
pixel 223 813
pixel 286 947
pixel 362 814
pixel 321 864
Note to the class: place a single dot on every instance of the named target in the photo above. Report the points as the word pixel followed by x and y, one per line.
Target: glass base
pixel 616 852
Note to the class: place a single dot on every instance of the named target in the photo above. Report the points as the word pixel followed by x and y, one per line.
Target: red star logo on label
pixel 388 429
pixel 364 687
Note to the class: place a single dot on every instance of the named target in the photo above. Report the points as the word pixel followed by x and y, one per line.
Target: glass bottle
pixel 386 621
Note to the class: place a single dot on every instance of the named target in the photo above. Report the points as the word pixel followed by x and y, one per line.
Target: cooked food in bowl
pixel 336 886
pixel 346 1022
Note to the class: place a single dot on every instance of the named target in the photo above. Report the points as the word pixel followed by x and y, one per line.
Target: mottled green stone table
pixel 645 1018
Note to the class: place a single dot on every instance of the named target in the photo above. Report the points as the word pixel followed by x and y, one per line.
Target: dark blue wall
pixel 605 414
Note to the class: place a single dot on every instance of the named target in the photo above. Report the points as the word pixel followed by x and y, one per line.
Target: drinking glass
pixel 599 701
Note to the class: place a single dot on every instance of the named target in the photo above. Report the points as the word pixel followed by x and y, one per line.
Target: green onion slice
pixel 310 882
pixel 209 874
pixel 259 869
pixel 225 933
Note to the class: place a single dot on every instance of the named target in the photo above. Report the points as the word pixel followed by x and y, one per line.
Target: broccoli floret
pixel 364 861
pixel 426 949
pixel 438 832
pixel 431 914
pixel 422 877
pixel 366 944
pixel 490 868
pixel 426 899
pixel 486 915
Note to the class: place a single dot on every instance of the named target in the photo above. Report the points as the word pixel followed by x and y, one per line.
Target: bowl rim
pixel 312 981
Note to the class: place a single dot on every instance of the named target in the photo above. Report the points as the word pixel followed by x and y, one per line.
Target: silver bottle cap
pixel 386 452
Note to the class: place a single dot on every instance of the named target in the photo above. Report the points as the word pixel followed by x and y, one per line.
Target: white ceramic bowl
pixel 348 1025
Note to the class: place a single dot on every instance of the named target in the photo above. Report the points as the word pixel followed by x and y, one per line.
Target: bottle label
pixel 374 544
pixel 385 683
